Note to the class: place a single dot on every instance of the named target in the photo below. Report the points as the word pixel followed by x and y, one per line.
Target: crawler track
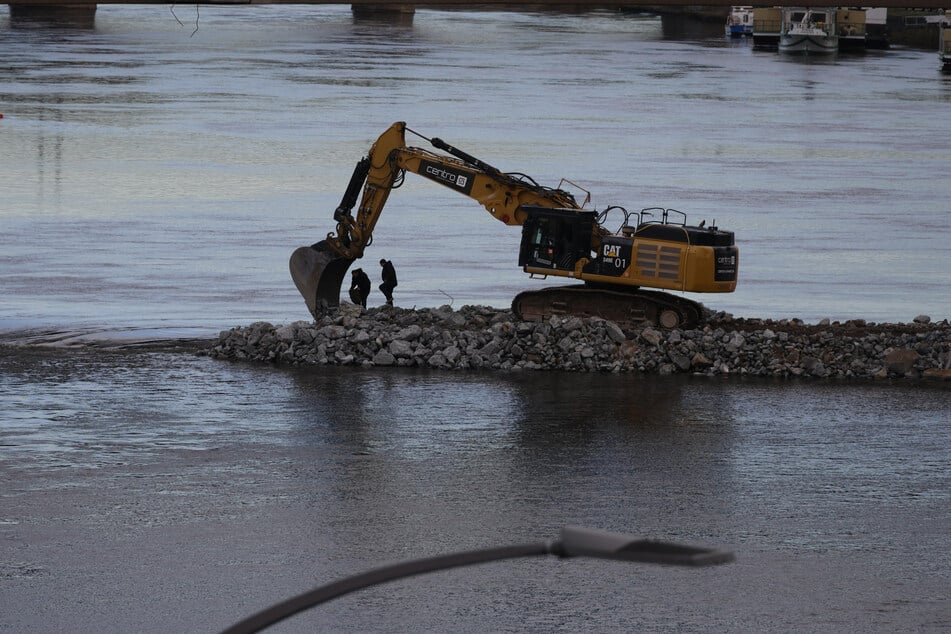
pixel 661 309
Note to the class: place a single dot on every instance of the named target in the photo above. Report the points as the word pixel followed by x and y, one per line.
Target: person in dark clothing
pixel 359 287
pixel 389 281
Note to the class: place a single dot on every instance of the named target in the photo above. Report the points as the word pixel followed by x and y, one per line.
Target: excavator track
pixel 622 307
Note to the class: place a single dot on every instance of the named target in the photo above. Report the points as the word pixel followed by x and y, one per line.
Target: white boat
pixel 740 21
pixel 808 31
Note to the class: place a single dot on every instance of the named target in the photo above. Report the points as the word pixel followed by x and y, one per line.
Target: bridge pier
pixel 81 16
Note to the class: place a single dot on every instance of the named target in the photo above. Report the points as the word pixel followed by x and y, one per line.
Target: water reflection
pixel 399 15
pixel 80 17
pixel 530 445
pixel 410 411
pixel 49 157
pixel 407 413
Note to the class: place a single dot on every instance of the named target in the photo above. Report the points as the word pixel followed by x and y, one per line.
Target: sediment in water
pixel 485 338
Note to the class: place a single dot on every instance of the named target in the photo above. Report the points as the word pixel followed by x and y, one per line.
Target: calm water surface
pixel 156 178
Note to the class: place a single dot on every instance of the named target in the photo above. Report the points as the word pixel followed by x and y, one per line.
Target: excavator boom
pixel 318 271
pixel 559 238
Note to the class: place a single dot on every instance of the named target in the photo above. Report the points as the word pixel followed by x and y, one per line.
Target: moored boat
pixel 852 31
pixel 740 21
pixel 876 28
pixel 808 30
pixel 767 23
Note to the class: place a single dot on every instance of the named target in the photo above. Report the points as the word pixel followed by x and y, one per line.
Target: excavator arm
pixel 318 270
pixel 382 171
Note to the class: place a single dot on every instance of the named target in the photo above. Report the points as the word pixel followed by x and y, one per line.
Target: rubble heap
pixel 480 337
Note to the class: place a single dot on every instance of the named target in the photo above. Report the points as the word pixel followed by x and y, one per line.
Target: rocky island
pixel 486 338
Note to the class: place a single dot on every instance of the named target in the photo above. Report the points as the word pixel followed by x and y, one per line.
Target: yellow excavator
pixel 653 248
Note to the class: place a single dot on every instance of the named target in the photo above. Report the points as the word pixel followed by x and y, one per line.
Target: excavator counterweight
pixel 559 238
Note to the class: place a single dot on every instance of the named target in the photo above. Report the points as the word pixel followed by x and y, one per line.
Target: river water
pixel 158 169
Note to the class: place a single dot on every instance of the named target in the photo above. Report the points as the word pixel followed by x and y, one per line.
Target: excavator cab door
pixel 555 238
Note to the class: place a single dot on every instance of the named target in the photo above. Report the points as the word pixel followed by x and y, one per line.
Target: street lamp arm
pixel 301 602
pixel 574 542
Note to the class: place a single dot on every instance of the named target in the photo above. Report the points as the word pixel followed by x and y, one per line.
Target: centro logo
pixel 458 179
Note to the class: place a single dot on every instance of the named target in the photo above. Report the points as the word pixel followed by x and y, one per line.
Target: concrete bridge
pixel 84 10
pixel 574 5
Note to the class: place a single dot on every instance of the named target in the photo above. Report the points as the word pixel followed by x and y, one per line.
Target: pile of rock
pixel 479 337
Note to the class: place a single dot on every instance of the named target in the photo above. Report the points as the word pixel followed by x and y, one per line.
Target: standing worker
pixel 359 287
pixel 389 281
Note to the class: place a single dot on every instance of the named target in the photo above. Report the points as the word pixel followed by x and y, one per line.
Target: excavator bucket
pixel 318 272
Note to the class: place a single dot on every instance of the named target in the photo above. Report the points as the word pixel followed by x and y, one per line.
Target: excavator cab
pixel 555 238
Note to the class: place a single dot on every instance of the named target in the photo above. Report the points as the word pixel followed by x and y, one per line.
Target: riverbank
pixel 480 337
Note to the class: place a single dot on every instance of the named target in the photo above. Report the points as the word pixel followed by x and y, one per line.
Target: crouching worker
pixel 359 288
